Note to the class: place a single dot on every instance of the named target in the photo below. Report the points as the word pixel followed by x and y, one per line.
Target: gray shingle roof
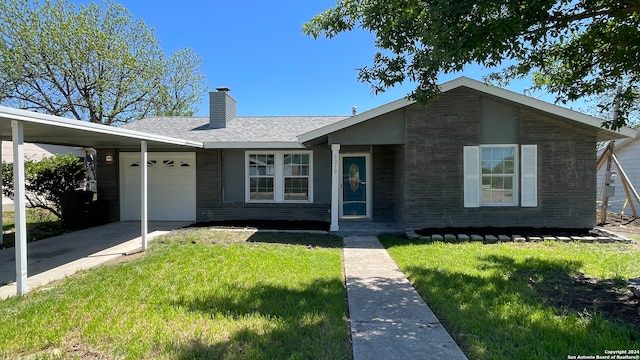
pixel 239 130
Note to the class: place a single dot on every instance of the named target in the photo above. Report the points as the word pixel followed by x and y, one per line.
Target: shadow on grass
pixel 307 239
pixel 520 311
pixel 307 324
pixel 35 231
pixel 267 224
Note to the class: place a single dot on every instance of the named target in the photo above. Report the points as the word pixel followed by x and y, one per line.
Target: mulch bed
pixel 581 294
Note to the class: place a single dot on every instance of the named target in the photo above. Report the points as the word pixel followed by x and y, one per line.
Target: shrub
pixel 46 181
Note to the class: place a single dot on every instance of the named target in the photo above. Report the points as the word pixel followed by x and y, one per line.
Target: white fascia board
pixel 253 145
pixel 622 143
pixel 356 119
pixel 46 119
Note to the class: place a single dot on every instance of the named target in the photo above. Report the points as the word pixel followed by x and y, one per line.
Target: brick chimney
pixel 222 108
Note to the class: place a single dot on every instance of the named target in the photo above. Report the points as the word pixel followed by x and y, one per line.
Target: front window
pixel 296 176
pixel 261 176
pixel 498 175
pixel 279 176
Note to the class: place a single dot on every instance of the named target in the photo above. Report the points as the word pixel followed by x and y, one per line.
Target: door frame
pixel 369 187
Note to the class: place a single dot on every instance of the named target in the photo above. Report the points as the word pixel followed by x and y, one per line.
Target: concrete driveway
pixel 56 257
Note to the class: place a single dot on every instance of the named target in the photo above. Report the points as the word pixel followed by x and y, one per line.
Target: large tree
pixel 572 48
pixel 94 62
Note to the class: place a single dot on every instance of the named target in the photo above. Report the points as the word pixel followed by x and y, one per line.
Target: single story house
pixel 476 156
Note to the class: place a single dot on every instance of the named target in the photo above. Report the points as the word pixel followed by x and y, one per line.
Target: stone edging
pixel 601 236
pixel 634 286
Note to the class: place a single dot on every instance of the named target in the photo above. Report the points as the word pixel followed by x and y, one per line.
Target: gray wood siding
pixel 382 130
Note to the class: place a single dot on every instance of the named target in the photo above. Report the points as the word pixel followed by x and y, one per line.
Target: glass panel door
pixel 354 186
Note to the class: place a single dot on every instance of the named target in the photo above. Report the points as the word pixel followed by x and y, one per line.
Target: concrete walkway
pixel 389 320
pixel 56 257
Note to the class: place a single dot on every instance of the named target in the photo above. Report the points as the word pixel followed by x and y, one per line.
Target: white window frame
pixel 279 176
pixel 525 186
pixel 516 163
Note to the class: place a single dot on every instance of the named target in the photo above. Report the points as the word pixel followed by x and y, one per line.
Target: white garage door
pixel 171 186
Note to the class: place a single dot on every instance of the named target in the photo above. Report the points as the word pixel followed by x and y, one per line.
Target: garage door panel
pixel 170 186
pixel 170 198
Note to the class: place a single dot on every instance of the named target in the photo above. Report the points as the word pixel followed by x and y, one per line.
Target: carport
pixel 20 126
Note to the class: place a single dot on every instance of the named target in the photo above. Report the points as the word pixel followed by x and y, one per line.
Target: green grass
pixel 41 224
pixel 196 294
pixel 508 301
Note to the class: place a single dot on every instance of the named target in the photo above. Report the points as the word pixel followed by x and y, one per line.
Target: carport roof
pixel 50 129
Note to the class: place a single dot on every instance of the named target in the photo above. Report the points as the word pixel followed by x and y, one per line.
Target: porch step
pixel 363 228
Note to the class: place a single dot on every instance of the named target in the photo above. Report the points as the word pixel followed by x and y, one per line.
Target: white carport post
pixel 143 193
pixel 17 131
pixel 335 187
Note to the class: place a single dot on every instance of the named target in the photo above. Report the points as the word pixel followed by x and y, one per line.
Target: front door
pixel 356 192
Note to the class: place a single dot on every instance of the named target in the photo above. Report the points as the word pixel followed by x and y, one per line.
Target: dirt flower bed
pixel 624 225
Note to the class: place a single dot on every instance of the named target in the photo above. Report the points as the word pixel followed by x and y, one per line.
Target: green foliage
pixel 92 62
pixel 525 300
pixel 572 48
pixel 7 179
pixel 598 106
pixel 46 181
pixel 41 224
pixel 244 299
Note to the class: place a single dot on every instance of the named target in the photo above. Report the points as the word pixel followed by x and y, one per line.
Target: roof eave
pixel 544 106
pixel 9 113
pixel 356 119
pixel 252 145
pixel 482 87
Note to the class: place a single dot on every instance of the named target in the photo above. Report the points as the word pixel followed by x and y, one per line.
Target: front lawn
pixel 527 300
pixel 196 294
pixel 41 224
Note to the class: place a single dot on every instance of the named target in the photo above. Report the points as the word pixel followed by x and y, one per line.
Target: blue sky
pixel 257 49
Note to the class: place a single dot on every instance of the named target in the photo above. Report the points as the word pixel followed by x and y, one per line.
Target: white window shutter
pixel 471 166
pixel 529 175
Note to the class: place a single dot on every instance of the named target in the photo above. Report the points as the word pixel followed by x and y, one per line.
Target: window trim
pixel 279 176
pixel 526 172
pixel 516 183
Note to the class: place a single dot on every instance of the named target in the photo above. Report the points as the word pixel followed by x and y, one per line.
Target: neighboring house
pixel 476 156
pixel 627 152
pixel 37 152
